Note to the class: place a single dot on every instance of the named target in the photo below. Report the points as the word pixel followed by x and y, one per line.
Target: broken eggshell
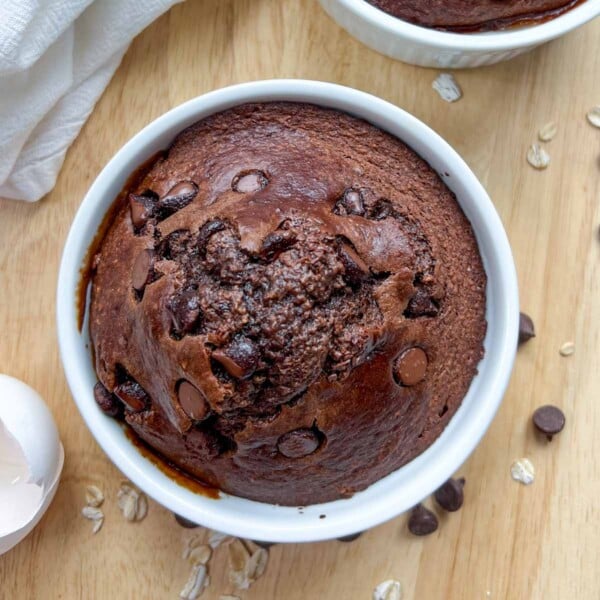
pixel 31 460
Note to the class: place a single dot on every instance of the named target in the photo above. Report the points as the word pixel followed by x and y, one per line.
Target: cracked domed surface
pixel 468 15
pixel 289 305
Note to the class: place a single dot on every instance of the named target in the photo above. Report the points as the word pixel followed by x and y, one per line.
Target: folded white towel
pixel 56 58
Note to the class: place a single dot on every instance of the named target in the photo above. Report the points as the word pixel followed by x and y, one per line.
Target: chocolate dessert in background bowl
pixel 305 299
pixel 458 33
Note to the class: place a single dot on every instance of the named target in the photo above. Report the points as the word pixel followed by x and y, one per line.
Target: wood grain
pixel 512 541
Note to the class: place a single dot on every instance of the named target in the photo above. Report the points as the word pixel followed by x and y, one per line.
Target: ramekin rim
pixel 207 511
pixel 507 39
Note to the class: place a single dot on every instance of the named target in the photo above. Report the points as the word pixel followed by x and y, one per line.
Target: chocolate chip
pixel 421 305
pixel 173 245
pixel 549 420
pixel 142 270
pixel 526 328
pixel 106 401
pixel 411 366
pixel 350 203
pixel 450 496
pixel 133 395
pixel 192 401
pixel 265 545
pixel 249 181
pixel 185 522
pixel 239 359
pixel 422 521
pixel 355 268
pixel 277 242
pixel 185 311
pixel 298 443
pixel 141 209
pixel 207 230
pixel 382 209
pixel 179 196
pixel 350 538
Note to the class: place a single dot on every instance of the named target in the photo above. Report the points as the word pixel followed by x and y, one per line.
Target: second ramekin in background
pixel 401 489
pixel 432 48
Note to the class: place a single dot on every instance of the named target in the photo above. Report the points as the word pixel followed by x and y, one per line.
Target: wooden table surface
pixel 508 541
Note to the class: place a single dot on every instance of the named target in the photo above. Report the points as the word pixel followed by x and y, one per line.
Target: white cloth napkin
pixel 56 58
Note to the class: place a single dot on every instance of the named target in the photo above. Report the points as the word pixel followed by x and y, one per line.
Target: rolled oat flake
pixel 567 349
pixel 537 157
pixel 593 116
pixel 522 470
pixel 447 87
pixel 388 590
pixel 548 131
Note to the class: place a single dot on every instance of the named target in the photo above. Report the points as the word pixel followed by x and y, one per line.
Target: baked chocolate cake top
pixel 290 305
pixel 471 16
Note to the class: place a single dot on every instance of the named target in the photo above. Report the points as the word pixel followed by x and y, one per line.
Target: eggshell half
pixel 31 460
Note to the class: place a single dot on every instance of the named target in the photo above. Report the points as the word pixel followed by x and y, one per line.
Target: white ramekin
pixel 431 48
pixel 398 491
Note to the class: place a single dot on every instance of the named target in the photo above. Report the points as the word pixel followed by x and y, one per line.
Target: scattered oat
pixel 537 157
pixel 192 542
pixel 593 116
pixel 447 87
pixel 388 590
pixel 196 584
pixel 567 349
pixel 94 496
pixel 522 470
pixel 257 564
pixel 200 555
pixel 216 538
pixel 132 502
pixel 238 565
pixel 245 567
pixel 94 514
pixel 548 131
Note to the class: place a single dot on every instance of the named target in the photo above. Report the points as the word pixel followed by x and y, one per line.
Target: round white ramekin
pixel 432 48
pixel 398 491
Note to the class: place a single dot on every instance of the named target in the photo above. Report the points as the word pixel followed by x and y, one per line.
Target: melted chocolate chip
pixel 178 197
pixel 422 521
pixel 106 401
pixel 185 311
pixel 141 209
pixel 207 230
pixel 298 443
pixel 239 359
pixel 133 395
pixel 450 496
pixel 421 305
pixel 351 203
pixel 142 270
pixel 526 328
pixel 173 245
pixel 192 401
pixel 355 268
pixel 277 242
pixel 249 181
pixel 382 209
pixel 411 366
pixel 549 420
pixel 185 522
